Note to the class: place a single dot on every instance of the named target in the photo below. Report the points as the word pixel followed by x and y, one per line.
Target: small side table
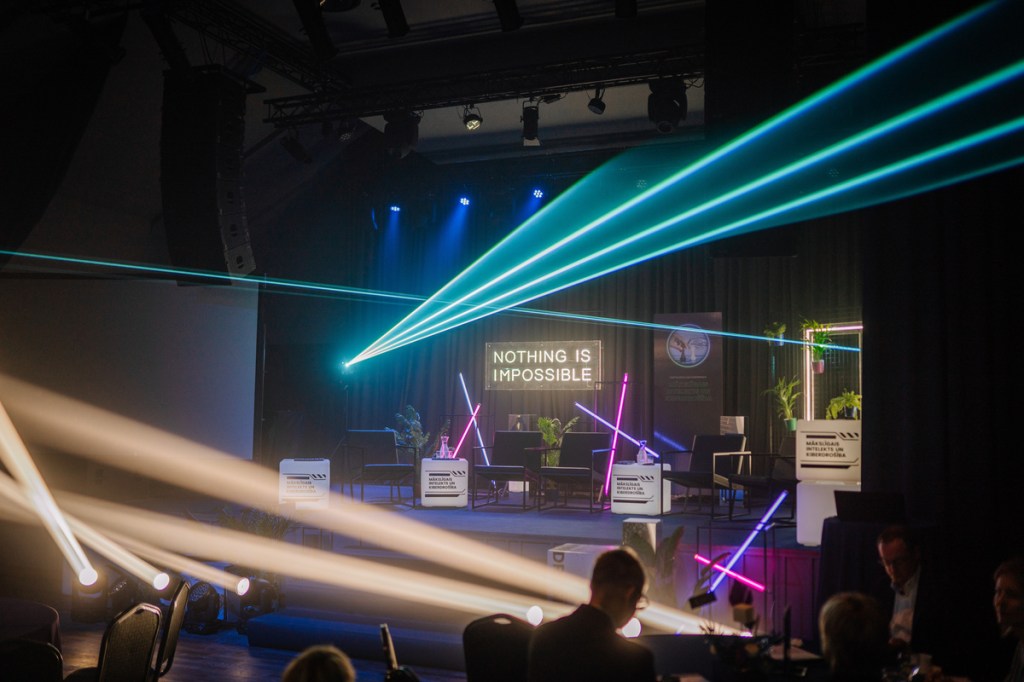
pixel 635 489
pixel 443 482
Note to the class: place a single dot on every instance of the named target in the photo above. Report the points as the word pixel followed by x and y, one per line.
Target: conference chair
pixel 496 648
pixel 582 466
pixel 373 457
pixel 126 649
pixel 779 474
pixel 712 457
pixel 30 659
pixel 173 619
pixel 514 457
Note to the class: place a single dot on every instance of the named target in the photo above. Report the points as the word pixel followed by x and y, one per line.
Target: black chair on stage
pixel 515 457
pixel 778 473
pixel 31 659
pixel 706 470
pixel 126 649
pixel 496 648
pixel 373 457
pixel 582 467
pixel 173 618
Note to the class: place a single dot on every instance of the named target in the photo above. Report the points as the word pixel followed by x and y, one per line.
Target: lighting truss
pixel 954 119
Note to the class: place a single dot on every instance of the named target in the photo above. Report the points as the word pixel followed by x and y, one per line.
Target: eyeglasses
pixel 642 602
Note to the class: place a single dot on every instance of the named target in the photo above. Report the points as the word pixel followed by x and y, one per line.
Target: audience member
pixel 321 663
pixel 854 637
pixel 914 595
pixel 1009 606
pixel 584 645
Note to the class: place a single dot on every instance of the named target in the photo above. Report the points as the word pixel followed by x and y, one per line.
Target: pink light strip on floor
pixel 615 437
pixel 465 431
pixel 729 572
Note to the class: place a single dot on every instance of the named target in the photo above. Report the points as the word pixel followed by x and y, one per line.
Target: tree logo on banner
pixel 688 346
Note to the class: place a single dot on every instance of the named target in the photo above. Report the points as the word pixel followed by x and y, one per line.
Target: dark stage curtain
pixel 941 294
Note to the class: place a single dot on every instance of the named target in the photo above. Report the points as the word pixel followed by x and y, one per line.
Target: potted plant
pixel 846 405
pixel 776 331
pixel 820 338
pixel 659 561
pixel 409 431
pixel 551 430
pixel 785 394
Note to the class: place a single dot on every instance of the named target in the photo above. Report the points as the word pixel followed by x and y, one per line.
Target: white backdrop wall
pixel 180 358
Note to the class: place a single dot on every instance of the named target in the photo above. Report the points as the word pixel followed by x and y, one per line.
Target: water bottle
pixel 444 453
pixel 641 454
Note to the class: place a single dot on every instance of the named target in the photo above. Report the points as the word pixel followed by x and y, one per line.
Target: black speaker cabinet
pixel 202 133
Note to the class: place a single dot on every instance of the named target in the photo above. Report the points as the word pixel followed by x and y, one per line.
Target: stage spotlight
pixel 471 117
pixel 534 615
pixel 464 201
pixel 401 133
pixel 531 121
pixel 202 611
pixel 262 598
pixel 538 193
pixel 596 104
pixel 632 628
pixel 395 208
pixel 666 105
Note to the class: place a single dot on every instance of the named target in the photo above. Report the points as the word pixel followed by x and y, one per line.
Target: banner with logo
pixel 687 379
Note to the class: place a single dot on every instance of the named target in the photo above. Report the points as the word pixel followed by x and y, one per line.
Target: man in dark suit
pixel 584 645
pixel 914 596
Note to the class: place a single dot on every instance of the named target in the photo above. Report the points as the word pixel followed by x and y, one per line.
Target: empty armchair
pixel 704 471
pixel 514 457
pixel 582 465
pixel 373 457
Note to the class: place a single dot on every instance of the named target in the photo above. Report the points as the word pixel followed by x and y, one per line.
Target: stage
pixel 431 636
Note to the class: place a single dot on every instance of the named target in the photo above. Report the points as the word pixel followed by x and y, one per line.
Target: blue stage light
pixel 464 201
pixel 395 208
pixel 538 193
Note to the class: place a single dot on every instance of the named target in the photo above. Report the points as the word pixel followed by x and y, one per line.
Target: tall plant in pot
pixel 820 338
pixel 775 332
pixel 784 394
pixel 551 430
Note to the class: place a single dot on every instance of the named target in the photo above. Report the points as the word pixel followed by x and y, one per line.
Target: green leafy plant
pixel 659 561
pixel 408 429
pixel 785 394
pixel 845 405
pixel 551 431
pixel 820 337
pixel 775 330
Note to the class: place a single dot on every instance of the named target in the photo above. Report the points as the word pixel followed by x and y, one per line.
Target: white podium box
pixel 635 489
pixel 828 450
pixel 443 482
pixel 575 558
pixel 306 482
pixel 815 502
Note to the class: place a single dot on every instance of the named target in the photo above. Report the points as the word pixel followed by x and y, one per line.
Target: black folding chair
pixel 704 472
pixel 126 649
pixel 30 659
pixel 173 619
pixel 496 648
pixel 373 457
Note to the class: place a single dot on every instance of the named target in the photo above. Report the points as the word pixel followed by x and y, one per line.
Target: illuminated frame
pixel 845 327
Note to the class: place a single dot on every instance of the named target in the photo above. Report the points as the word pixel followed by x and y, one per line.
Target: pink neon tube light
pixel 729 572
pixel 615 437
pixel 465 431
